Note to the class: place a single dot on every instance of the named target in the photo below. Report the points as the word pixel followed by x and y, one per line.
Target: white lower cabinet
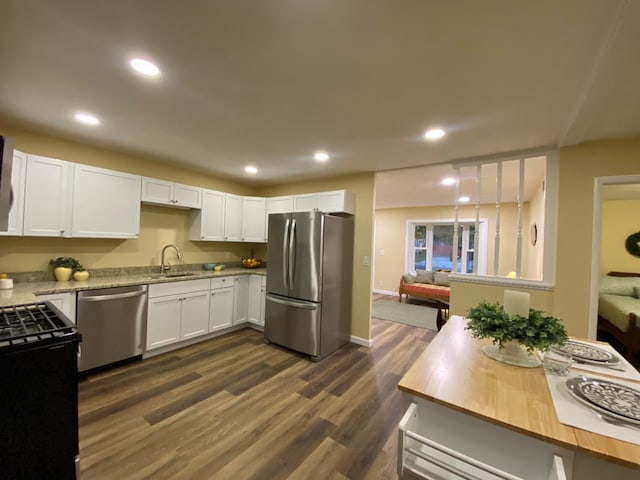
pixel 221 308
pixel 65 302
pixel 177 311
pixel 257 298
pixel 195 315
pixel 439 442
pixel 240 304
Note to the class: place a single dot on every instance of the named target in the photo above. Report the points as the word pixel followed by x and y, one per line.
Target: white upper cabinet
pixel 233 218
pixel 280 204
pixel 161 192
pixel 208 222
pixel 307 202
pixel 337 201
pixel 254 226
pixel 16 214
pixel 47 197
pixel 106 203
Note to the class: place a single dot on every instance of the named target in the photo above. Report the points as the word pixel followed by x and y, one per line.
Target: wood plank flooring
pixel 235 407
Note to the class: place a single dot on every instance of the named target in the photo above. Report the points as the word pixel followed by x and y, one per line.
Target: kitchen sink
pixel 171 275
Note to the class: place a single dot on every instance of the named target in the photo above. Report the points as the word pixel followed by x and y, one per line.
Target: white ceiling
pixel 269 82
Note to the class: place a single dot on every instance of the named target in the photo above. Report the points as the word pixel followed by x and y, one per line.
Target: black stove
pixel 24 325
pixel 38 393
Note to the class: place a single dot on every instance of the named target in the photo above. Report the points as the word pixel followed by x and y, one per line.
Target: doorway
pixel 605 188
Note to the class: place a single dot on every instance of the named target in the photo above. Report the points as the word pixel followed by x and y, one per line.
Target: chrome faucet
pixel 164 267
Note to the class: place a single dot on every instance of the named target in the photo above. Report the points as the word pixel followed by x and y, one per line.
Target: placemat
pixel 574 413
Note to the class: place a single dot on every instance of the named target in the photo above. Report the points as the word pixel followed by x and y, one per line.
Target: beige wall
pixel 620 218
pixel 162 225
pixel 391 234
pixel 579 166
pixel 363 186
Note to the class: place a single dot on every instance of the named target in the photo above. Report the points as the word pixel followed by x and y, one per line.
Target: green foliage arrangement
pixel 538 332
pixel 68 262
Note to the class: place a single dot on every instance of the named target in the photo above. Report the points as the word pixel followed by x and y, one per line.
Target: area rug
pixel 414 315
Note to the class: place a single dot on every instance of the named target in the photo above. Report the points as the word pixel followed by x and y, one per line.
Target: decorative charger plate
pixel 611 399
pixel 588 353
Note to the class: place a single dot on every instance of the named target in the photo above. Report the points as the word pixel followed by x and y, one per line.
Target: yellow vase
pixel 81 276
pixel 62 274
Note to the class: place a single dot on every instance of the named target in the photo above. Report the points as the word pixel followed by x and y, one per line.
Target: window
pixel 431 245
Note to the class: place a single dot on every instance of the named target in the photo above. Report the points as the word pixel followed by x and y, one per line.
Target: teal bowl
pixel 208 266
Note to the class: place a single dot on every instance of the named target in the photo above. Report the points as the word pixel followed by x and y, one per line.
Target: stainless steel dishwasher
pixel 111 322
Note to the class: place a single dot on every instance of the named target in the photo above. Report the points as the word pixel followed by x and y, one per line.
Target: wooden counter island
pixel 469 416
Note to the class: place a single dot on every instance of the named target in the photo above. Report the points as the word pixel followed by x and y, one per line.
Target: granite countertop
pixel 27 291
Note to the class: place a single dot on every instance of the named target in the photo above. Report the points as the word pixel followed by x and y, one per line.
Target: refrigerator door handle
pixel 292 252
pixel 290 303
pixel 285 256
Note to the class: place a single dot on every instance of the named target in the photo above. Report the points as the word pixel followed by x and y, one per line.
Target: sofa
pixel 426 285
pixel 619 309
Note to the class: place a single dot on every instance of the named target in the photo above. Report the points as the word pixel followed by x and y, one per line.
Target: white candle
pixel 516 303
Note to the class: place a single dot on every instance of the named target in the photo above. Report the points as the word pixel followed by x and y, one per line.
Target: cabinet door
pixel 233 218
pixel 263 300
pixel 221 314
pixel 16 213
pixel 208 222
pixel 255 286
pixel 254 227
pixel 46 202
pixel 337 201
pixel 305 203
pixel 279 205
pixel 106 203
pixel 195 315
pixel 163 321
pixel 157 191
pixel 240 295
pixel 187 196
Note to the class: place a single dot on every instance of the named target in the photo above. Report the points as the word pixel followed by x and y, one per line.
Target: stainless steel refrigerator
pixel 309 275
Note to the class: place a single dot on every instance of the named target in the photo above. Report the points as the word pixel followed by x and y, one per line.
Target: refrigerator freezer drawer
pixel 293 324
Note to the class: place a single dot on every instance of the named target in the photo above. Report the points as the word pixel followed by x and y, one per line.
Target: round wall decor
pixel 633 244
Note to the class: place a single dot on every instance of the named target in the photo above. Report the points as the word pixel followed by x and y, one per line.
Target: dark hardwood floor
pixel 236 408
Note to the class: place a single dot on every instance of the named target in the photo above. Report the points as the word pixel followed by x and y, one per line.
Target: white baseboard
pixel 361 341
pixel 386 292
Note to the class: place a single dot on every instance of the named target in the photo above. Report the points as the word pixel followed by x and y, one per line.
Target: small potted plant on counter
pixel 64 267
pixel 515 338
pixel 80 273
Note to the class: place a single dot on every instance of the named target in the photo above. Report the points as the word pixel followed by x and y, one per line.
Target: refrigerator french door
pixel 308 301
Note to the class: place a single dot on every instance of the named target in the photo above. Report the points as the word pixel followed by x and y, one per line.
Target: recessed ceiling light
pixel 321 156
pixel 434 134
pixel 463 199
pixel 144 67
pixel 448 181
pixel 251 169
pixel 86 118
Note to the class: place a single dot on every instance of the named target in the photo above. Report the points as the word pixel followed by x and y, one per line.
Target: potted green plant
pixel 514 338
pixel 63 267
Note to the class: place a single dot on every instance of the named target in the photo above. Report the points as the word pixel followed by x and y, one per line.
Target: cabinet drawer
pixel 175 288
pixel 221 282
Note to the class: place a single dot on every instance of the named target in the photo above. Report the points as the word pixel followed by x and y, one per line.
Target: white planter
pixel 512 353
